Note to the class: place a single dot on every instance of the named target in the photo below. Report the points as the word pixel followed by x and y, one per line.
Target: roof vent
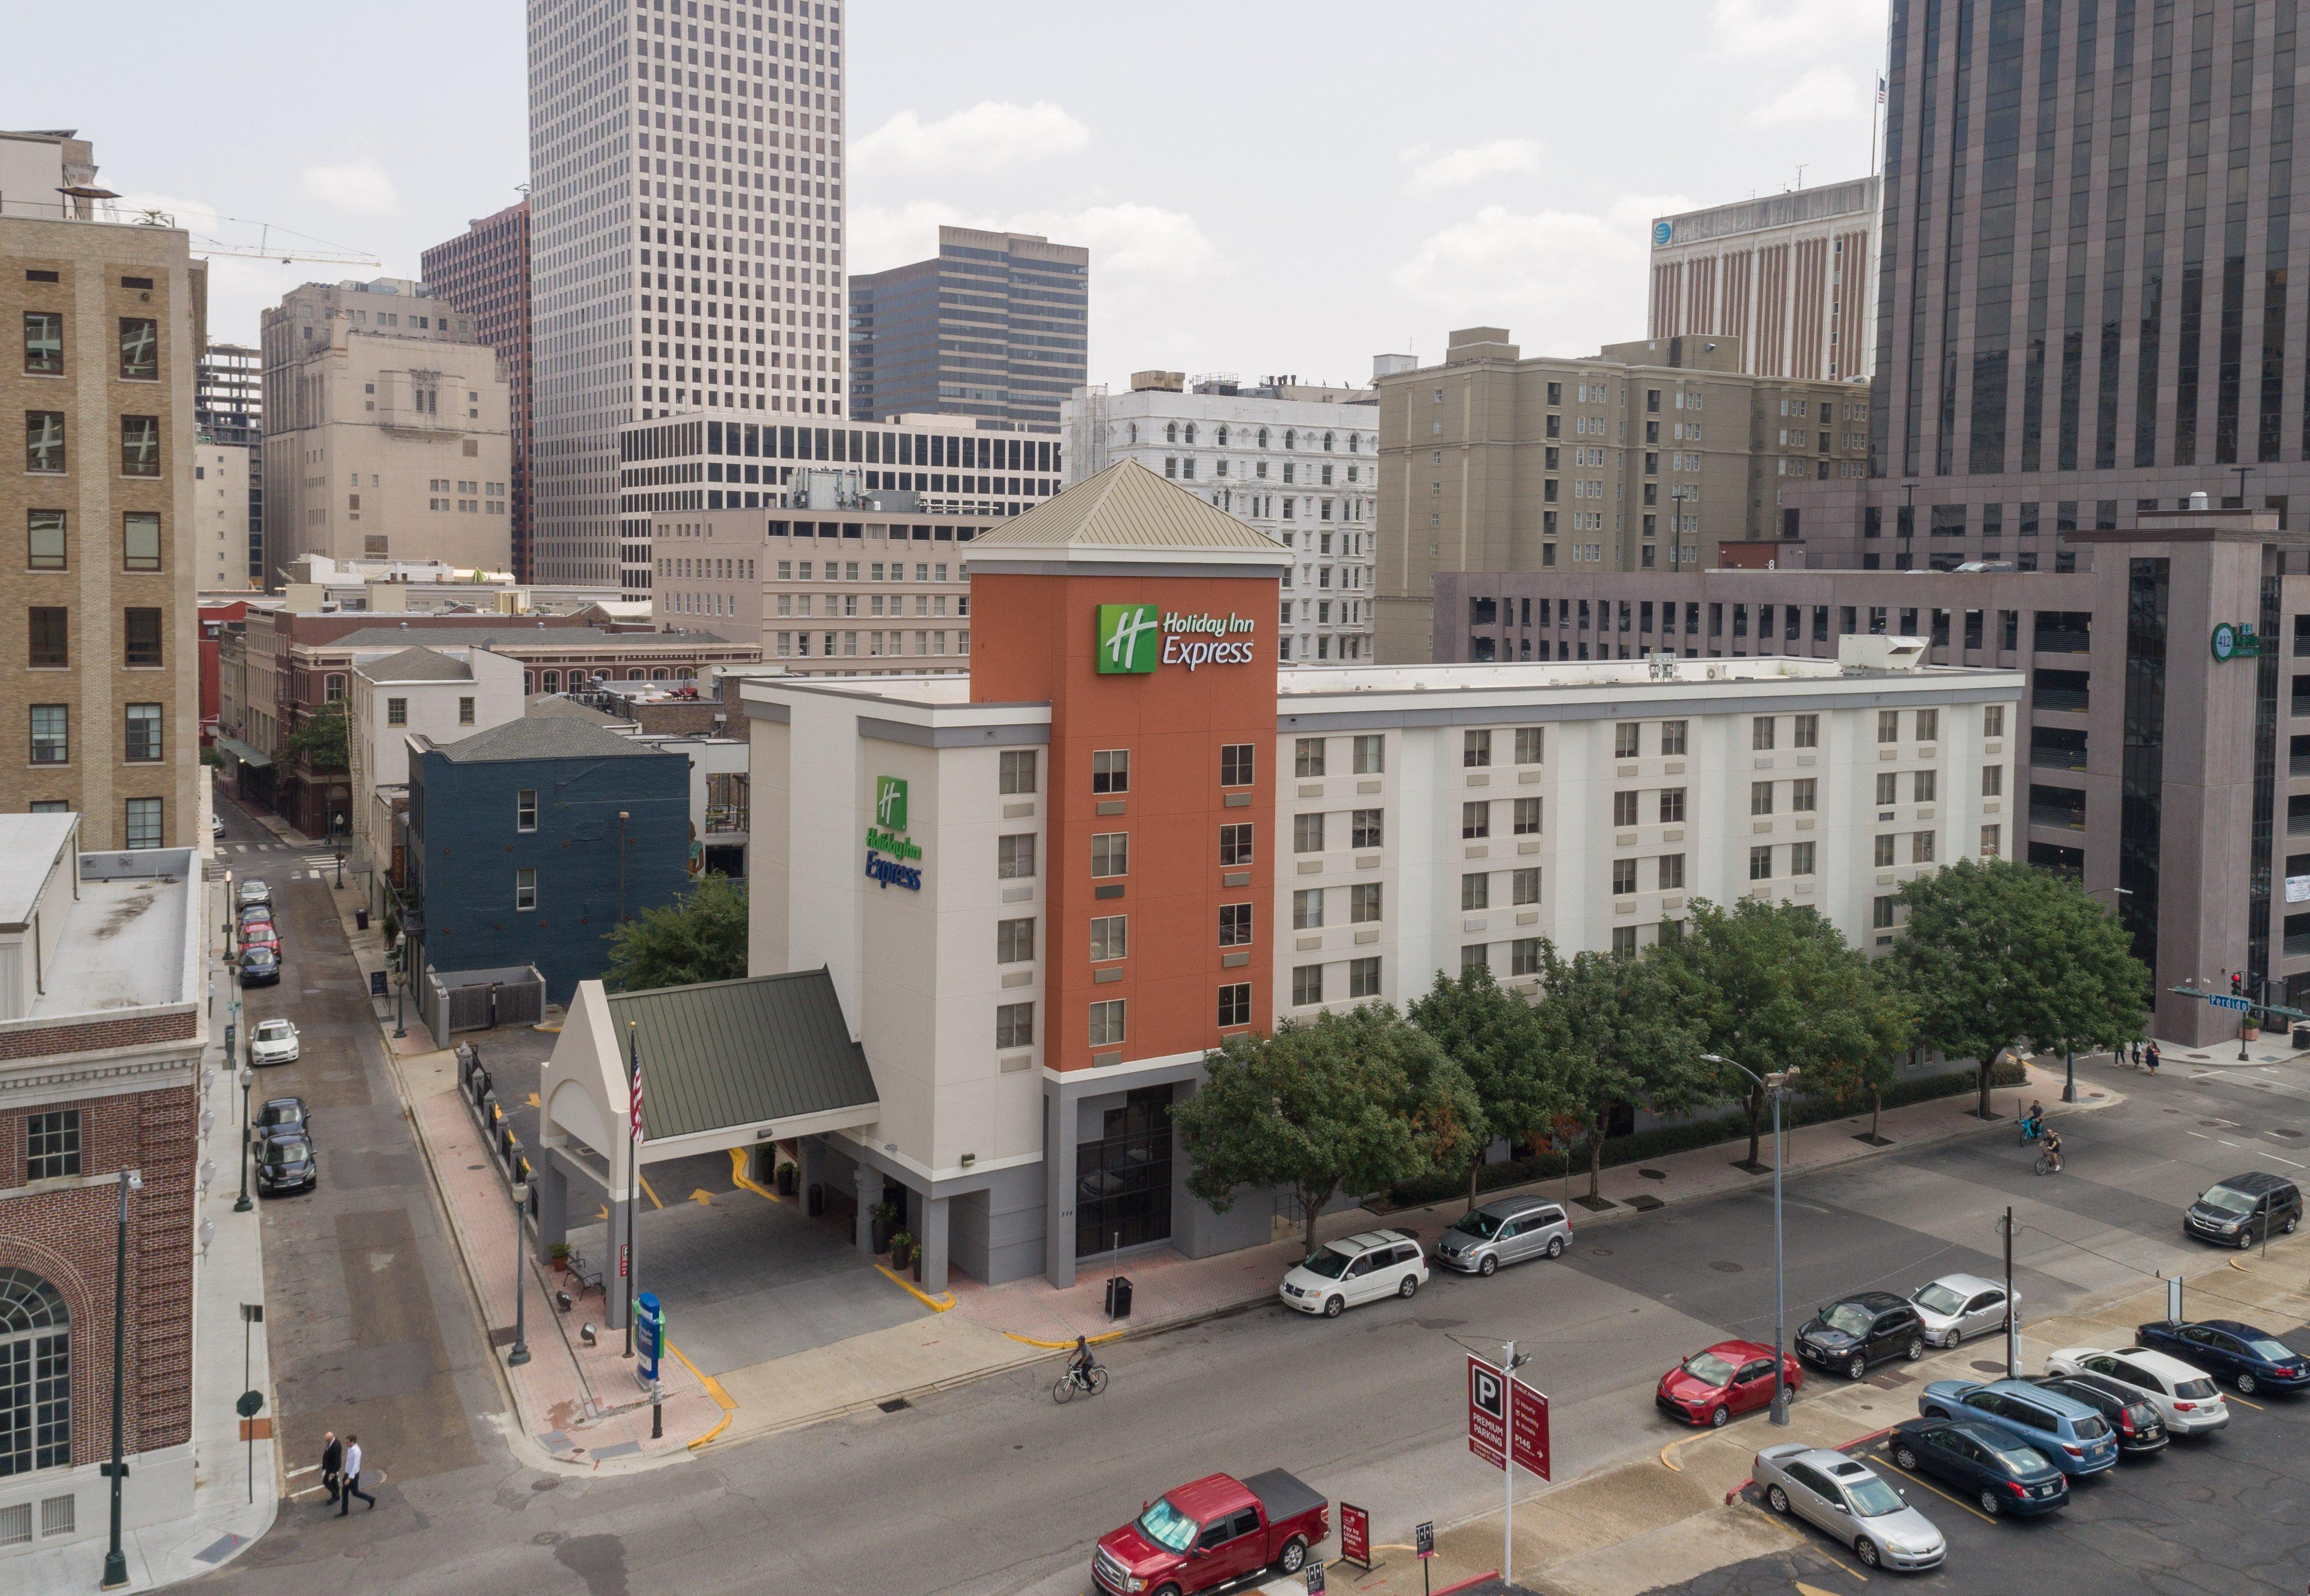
pixel 2199 501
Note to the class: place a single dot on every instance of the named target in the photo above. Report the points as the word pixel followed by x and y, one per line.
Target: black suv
pixel 1854 1331
pixel 2237 1212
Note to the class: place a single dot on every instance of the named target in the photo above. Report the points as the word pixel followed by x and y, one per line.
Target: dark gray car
pixel 1505 1230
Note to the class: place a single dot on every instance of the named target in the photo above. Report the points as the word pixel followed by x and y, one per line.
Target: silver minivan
pixel 1505 1230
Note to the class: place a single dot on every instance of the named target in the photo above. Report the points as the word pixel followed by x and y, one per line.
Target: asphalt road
pixel 992 1488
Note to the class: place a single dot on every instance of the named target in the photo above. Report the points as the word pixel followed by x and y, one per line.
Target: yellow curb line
pixel 916 1292
pixel 713 1389
pixel 739 1178
pixel 1059 1346
pixel 651 1192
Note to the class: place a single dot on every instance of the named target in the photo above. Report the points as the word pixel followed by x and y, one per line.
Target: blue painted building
pixel 514 839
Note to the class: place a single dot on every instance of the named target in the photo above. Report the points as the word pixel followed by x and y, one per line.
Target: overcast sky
pixel 1270 187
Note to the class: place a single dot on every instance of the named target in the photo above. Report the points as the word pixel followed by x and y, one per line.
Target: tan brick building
pixel 101 684
pixel 1645 457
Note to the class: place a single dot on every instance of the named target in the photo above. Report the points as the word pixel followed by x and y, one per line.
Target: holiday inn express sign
pixel 1134 638
pixel 892 859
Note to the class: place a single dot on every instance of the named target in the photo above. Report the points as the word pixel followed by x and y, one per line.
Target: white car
pixel 2185 1398
pixel 1955 1306
pixel 253 891
pixel 1356 1268
pixel 274 1042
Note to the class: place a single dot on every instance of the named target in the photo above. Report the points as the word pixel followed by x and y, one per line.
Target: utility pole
pixel 2012 1320
pixel 1507 1464
pixel 621 866
pixel 116 1561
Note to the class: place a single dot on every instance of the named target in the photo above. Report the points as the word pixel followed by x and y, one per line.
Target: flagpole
pixel 634 1176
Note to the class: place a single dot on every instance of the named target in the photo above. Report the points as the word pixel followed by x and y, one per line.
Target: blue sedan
pixel 2068 1433
pixel 2001 1474
pixel 2247 1357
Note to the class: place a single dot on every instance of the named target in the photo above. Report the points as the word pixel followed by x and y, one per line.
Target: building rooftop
pixel 733 1052
pixel 131 940
pixel 540 737
pixel 1124 509
pixel 385 635
pixel 417 664
pixel 31 846
pixel 562 706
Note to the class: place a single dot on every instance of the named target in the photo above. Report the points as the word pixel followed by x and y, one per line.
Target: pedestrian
pixel 333 1462
pixel 2137 1051
pixel 2150 1058
pixel 352 1479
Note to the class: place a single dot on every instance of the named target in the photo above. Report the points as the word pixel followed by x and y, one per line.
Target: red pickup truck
pixel 1210 1532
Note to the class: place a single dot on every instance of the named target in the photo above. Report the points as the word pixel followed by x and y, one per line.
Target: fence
pixel 454 1001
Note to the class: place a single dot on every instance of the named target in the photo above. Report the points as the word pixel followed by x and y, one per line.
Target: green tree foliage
pixel 1490 1033
pixel 1615 1029
pixel 320 741
pixel 1351 1102
pixel 2000 955
pixel 1775 986
pixel 700 936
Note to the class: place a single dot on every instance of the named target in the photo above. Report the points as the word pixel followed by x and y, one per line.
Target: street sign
pixel 1316 1577
pixel 1355 1535
pixel 1528 1427
pixel 649 1321
pixel 2222 1000
pixel 1423 1540
pixel 621 1259
pixel 1488 1412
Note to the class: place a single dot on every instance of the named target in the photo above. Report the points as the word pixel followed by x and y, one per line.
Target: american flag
pixel 635 1044
pixel 1880 90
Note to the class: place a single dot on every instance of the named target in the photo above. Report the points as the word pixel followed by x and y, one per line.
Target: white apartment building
pixel 443 693
pixel 218 533
pixel 1793 277
pixel 686 236
pixel 1298 462
pixel 388 431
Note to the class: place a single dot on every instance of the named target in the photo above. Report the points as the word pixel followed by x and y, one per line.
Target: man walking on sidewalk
pixel 352 1479
pixel 333 1464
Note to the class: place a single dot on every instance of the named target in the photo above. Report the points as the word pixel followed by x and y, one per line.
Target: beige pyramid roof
pixel 1124 511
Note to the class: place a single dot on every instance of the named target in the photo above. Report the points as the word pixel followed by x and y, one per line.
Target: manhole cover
pixel 1726 1266
pixel 1654 1174
pixel 2282 1131
pixel 895 1405
pixel 550 1538
pixel 1986 1367
pixel 547 1484
pixel 1599 1252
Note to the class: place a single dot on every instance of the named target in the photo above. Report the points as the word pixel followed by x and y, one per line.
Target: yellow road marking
pixel 532 1100
pixel 739 1178
pixel 2234 1397
pixel 713 1389
pixel 1062 1345
pixel 1937 1490
pixel 1805 1590
pixel 702 1197
pixel 601 1213
pixel 1804 1543
pixel 936 1305
pixel 652 1192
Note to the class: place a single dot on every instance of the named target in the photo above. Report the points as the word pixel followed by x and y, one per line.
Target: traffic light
pixel 2238 984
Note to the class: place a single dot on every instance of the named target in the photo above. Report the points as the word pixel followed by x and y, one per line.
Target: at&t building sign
pixel 892 859
pixel 1134 638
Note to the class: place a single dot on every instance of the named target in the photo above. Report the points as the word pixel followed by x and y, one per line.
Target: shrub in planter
pixel 902 1250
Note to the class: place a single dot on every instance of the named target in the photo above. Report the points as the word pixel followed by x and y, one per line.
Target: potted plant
pixel 902 1250
pixel 560 1254
pixel 887 1218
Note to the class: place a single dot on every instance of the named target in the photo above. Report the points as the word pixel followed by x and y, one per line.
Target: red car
pixel 260 933
pixel 1212 1531
pixel 1730 1378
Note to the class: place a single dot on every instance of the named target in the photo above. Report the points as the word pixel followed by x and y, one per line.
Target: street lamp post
pixel 116 1561
pixel 400 986
pixel 341 870
pixel 247 1077
pixel 520 1353
pixel 1772 1086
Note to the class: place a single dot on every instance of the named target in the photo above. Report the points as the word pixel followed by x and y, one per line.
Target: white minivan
pixel 1355 1269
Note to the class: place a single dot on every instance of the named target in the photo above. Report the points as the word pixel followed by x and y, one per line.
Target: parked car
pixel 216 829
pixel 255 911
pixel 285 1163
pixel 1505 1230
pixel 1955 1306
pixel 272 1042
pixel 252 891
pixel 2226 1348
pixel 1857 1507
pixel 1999 1472
pixel 1730 1378
pixel 2186 1398
pixel 1212 1531
pixel 2238 1210
pixel 283 1114
pixel 1355 1269
pixel 2134 1421
pixel 261 933
pixel 2070 1434
pixel 260 966
pixel 1854 1331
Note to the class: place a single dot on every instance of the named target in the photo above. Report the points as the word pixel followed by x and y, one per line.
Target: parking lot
pixel 2228 1512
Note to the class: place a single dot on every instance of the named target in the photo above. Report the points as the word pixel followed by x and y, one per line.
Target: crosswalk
pixel 288 862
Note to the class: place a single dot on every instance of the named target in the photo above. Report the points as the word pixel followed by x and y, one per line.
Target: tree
pixel 1614 1029
pixel 700 936
pixel 1775 987
pixel 1997 956
pixel 1489 1032
pixel 320 740
pixel 1351 1102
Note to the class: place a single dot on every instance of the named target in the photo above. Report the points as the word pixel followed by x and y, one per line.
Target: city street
pixel 375 1332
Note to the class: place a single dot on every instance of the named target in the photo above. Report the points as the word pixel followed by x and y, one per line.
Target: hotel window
pixel 1528 817
pixel 1523 957
pixel 1888 725
pixel 1804 795
pixel 525 888
pixel 141 637
pixel 1017 771
pixel 44 540
pixel 1929 726
pixel 1110 853
pixel 1672 873
pixel 396 712
pixel 1366 828
pixel 52 1144
pixel 1476 890
pixel 1106 1023
pixel 1236 767
pixel 1801 858
pixel 1760 797
pixel 1920 847
pixel 1624 877
pixel 1306 908
pixel 1308 757
pixel 1110 770
pixel 1926 783
pixel 140 349
pixel 1475 819
pixel 1475 749
pixel 1235 844
pixel 1992 721
pixel 1889 787
pixel 1363 903
pixel 1761 731
pixel 1760 864
pixel 51 734
pixel 1673 733
pixel 44 343
pixel 1989 842
pixel 1882 912
pixel 1627 738
pixel 525 810
pixel 1307 985
pixel 1307 833
pixel 1110 937
pixel 1808 731
pixel 1371 754
pixel 1884 850
pixel 1624 809
pixel 1235 925
pixel 1235 1004
pixel 1014 1024
pixel 143 822
pixel 1529 743
pixel 1014 941
pixel 1672 806
pixel 1014 857
pixel 44 441
pixel 1363 978
pixel 143 743
pixel 139 445
pixel 1993 781
pixel 140 541
pixel 1523 885
pixel 465 712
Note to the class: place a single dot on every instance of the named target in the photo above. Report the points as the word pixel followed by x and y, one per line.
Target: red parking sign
pixel 1488 1412
pixel 1355 1534
pixel 1528 1427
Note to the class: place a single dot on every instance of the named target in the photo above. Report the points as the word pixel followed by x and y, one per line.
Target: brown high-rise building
pixel 101 677
pixel 1790 275
pixel 484 272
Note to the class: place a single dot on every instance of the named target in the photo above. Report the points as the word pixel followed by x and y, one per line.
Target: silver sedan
pixel 1857 1508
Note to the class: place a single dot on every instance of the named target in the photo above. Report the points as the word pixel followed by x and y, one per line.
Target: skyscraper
pixel 1789 275
pixel 484 272
pixel 229 414
pixel 686 241
pixel 993 325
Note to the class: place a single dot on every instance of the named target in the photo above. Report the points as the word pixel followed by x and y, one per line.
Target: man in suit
pixel 352 1479
pixel 333 1462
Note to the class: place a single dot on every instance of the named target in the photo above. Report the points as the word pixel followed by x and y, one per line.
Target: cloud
pixel 992 133
pixel 1804 30
pixel 1576 279
pixel 358 186
pixel 1827 93
pixel 1495 159
pixel 1131 245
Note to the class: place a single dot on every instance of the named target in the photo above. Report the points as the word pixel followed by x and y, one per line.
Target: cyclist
pixel 2051 1141
pixel 1080 1363
pixel 2033 1124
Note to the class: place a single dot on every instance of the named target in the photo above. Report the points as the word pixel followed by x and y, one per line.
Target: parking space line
pixel 1802 1541
pixel 2234 1397
pixel 650 1194
pixel 2201 1135
pixel 1929 1485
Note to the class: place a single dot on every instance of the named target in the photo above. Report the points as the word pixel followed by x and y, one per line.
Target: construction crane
pixel 263 249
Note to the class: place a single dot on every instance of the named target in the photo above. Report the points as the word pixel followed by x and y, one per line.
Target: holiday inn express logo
pixel 1129 636
pixel 892 859
pixel 1134 638
pixel 890 802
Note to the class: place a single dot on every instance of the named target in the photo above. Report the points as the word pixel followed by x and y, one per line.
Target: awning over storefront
pixel 242 751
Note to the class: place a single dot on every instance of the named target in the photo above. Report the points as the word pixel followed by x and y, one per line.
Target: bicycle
pixel 1074 1380
pixel 2048 1163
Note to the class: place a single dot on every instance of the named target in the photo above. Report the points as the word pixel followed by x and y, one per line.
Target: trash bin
pixel 814 1205
pixel 786 1178
pixel 360 919
pixel 2302 1034
pixel 1119 1297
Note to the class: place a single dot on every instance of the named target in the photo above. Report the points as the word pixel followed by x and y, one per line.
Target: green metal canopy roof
pixel 725 1054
